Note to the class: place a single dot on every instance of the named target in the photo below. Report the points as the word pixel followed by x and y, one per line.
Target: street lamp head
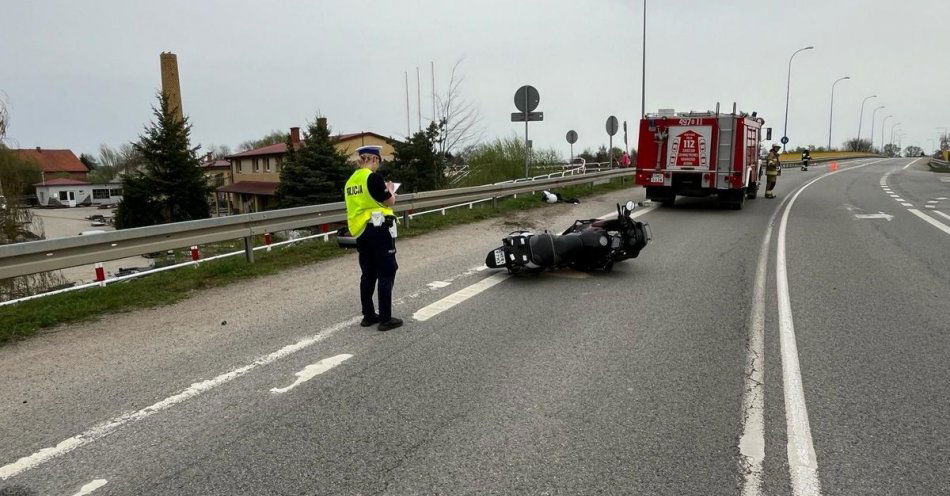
pixel 808 48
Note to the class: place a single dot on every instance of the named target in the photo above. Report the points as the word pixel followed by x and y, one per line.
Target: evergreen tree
pixel 315 173
pixel 170 185
pixel 89 161
pixel 417 164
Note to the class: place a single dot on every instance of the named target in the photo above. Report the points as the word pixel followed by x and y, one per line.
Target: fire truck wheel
pixel 753 191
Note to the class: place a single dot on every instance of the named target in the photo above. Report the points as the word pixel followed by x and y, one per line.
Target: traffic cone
pixel 833 167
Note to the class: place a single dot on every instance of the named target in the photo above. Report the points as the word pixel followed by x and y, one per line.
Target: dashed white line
pixel 899 199
pixel 894 196
pixel 907 204
pixel 92 486
pixel 313 370
pixel 101 430
pixel 438 284
pixel 459 296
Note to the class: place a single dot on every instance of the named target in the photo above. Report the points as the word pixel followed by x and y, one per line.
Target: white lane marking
pixel 942 198
pixel 101 430
pixel 907 204
pixel 930 220
pixel 942 214
pixel 912 163
pixel 899 199
pixel 802 462
pixel 879 215
pixel 459 296
pixel 930 206
pixel 92 486
pixel 313 370
pixel 895 196
pixel 437 284
pixel 752 441
pixel 933 201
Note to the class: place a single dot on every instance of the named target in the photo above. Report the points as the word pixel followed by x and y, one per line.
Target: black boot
pixel 368 321
pixel 390 324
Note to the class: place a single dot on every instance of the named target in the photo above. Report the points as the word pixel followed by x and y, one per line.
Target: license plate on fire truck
pixel 656 178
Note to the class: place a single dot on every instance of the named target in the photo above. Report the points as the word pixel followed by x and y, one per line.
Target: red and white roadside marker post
pixel 101 275
pixel 195 255
pixel 267 241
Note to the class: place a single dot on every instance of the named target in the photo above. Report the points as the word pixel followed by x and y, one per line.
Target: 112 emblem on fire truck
pixel 689 146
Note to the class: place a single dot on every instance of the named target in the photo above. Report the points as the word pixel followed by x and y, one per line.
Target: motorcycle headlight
pixel 603 241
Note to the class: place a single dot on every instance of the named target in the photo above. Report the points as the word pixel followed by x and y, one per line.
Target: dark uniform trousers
pixel 377 250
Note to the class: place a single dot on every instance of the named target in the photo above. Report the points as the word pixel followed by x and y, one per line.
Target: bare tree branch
pixel 460 118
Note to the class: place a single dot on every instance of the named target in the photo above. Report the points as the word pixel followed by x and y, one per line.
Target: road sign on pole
pixel 572 138
pixel 784 140
pixel 612 126
pixel 527 99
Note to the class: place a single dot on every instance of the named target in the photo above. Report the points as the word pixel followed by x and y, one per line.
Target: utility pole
pixel 408 126
pixel 643 70
pixel 418 98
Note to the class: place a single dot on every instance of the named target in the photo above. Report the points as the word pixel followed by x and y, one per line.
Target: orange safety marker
pixel 833 167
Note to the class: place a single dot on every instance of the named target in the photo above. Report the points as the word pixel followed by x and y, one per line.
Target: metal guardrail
pixel 938 165
pixel 41 256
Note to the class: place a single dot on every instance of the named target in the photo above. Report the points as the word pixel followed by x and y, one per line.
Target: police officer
pixel 372 222
pixel 806 156
pixel 773 167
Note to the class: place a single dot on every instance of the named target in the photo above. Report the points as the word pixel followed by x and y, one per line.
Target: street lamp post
pixel 861 117
pixel 831 113
pixel 882 130
pixel 873 119
pixel 788 88
pixel 893 127
pixel 942 138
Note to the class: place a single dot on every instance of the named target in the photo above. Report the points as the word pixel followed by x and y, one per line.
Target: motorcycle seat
pixel 549 249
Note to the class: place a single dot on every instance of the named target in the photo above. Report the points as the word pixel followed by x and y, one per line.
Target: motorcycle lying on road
pixel 589 244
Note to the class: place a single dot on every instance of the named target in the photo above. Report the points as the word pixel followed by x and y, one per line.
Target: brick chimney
pixel 295 135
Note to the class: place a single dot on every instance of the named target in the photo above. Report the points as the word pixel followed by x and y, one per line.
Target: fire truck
pixel 700 154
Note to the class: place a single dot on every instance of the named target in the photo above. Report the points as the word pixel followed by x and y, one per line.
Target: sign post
pixel 527 99
pixel 612 126
pixel 572 138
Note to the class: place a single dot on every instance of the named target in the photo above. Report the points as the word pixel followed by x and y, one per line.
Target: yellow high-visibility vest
pixel 360 205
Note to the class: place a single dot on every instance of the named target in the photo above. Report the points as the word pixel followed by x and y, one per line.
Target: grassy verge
pixel 27 318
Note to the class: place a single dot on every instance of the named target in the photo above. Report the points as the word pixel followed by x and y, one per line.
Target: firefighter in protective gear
pixel 773 167
pixel 372 222
pixel 806 157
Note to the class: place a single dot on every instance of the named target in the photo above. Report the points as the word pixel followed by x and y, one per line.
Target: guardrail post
pixel 405 218
pixel 249 249
pixel 494 202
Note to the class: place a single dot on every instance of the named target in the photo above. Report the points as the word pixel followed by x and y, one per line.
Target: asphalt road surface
pixel 798 346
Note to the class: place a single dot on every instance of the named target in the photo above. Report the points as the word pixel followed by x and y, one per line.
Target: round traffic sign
pixel 784 140
pixel 527 98
pixel 612 125
pixel 572 136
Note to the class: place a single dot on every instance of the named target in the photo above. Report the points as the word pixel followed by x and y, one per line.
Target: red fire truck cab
pixel 700 154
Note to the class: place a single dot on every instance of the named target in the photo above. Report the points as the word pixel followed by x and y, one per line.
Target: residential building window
pixel 62 195
pixel 115 192
pixel 255 165
pixel 237 166
pixel 100 194
pixel 266 164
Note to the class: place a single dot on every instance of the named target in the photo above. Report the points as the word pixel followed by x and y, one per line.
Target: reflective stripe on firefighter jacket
pixel 360 205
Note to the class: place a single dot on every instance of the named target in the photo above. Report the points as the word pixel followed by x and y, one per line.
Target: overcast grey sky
pixel 80 73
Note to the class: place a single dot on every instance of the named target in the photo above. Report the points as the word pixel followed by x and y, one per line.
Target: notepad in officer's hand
pixel 394 187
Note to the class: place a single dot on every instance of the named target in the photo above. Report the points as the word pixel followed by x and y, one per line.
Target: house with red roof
pixel 55 163
pixel 256 173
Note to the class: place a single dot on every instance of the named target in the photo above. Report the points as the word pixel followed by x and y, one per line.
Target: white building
pixel 63 192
